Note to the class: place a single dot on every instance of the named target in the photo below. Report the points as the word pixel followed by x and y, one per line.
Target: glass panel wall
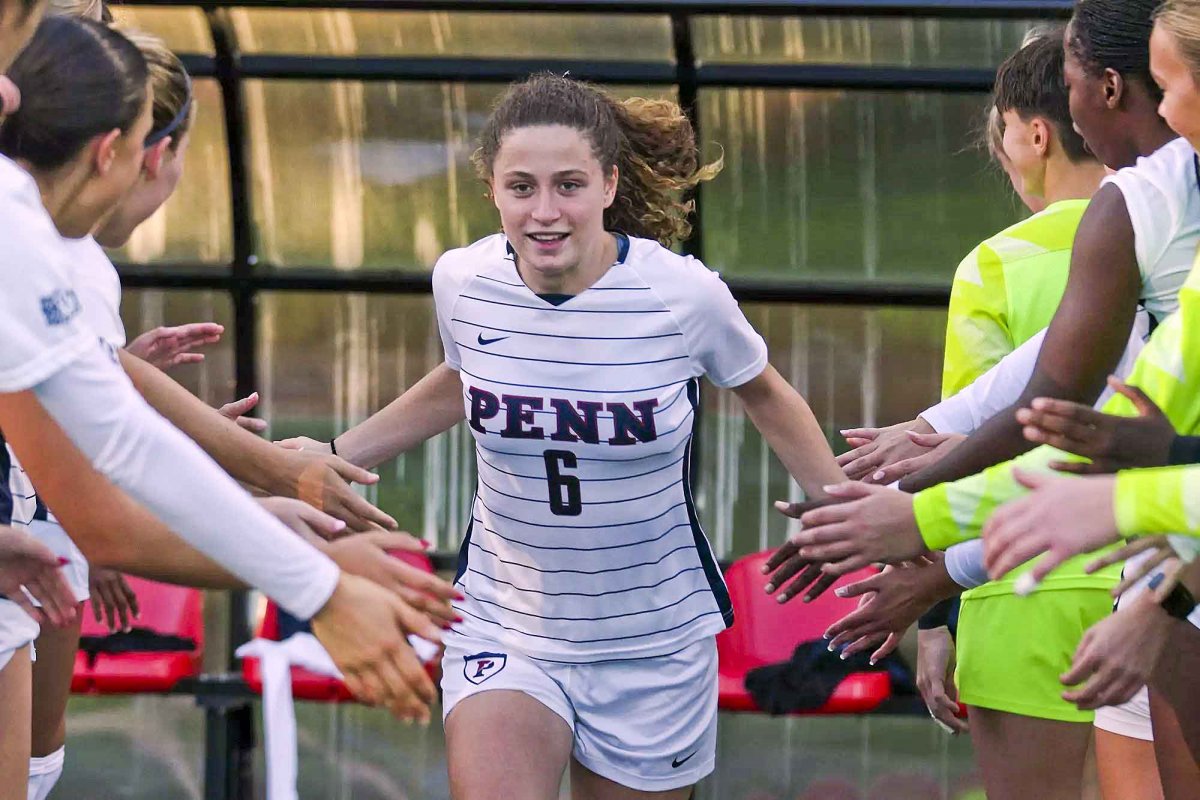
pixel 908 42
pixel 848 186
pixel 461 34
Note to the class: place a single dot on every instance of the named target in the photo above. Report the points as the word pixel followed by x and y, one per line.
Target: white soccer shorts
pixel 649 724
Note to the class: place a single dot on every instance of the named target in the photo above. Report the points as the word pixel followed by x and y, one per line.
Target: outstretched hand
pixel 1111 442
pixel 869 524
pixel 28 565
pixel 877 447
pixel 167 347
pixel 1062 518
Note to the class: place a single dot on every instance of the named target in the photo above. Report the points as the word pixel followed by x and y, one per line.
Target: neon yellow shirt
pixel 1006 290
pixel 1168 371
pixel 1152 501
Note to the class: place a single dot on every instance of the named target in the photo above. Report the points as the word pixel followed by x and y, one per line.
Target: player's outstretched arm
pixel 1098 308
pixel 790 429
pixel 430 406
pixel 318 479
pixel 787 423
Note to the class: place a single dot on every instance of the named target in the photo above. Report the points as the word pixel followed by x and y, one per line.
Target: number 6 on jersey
pixel 559 484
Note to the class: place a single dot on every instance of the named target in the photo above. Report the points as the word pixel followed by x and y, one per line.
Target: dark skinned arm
pixel 1083 345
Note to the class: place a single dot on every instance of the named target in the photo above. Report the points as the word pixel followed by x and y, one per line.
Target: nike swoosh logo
pixel 677 762
pixel 484 341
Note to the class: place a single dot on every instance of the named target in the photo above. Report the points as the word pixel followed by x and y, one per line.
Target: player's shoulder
pixel 27 231
pixel 676 278
pixel 1169 170
pixel 456 267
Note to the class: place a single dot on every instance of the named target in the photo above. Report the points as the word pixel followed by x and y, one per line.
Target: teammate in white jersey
pixel 49 351
pixel 575 342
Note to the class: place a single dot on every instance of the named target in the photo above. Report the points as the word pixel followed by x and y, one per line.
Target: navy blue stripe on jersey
pixel 605 571
pixel 6 498
pixel 582 549
pixel 495 354
pixel 542 501
pixel 40 512
pixel 573 388
pixel 588 641
pixel 622 615
pixel 465 548
pixel 643 587
pixel 539 456
pixel 716 581
pixel 583 527
pixel 580 479
pixel 562 310
pixel 481 326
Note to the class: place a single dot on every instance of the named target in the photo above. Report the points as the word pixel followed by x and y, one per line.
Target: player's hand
pixel 114 603
pixel 169 347
pixel 368 556
pixel 303 518
pixel 890 602
pixel 305 443
pixel 27 563
pixel 790 571
pixel 238 409
pixel 878 447
pixel 1062 518
pixel 364 628
pixel 872 524
pixel 934 446
pixel 1133 573
pixel 1112 443
pixel 323 481
pixel 1117 655
pixel 935 678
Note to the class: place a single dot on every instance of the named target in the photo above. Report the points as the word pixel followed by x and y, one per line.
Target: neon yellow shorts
pixel 1012 650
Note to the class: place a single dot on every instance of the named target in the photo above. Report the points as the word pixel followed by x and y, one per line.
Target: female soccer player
pixel 574 343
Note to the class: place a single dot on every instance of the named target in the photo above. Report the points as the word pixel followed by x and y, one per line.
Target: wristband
pixel 1179 603
pixel 333 445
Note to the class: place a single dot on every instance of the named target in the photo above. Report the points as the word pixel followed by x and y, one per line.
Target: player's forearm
pixel 108 526
pixel 790 429
pixel 243 455
pixel 431 406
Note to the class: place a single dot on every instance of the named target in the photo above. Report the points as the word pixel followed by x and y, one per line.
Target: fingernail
pixel 458 620
pixel 62 562
pixel 831 648
pixel 873 661
pixel 1025 584
pixel 769 588
pixel 806 599
pixel 878 476
pixel 781 505
pixel 840 592
pixel 426 544
pixel 783 598
pixel 844 655
pixel 831 488
pixel 826 635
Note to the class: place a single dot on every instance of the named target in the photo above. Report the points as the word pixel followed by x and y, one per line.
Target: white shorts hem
pixel 630 780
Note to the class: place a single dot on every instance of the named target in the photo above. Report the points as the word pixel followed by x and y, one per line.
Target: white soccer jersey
pixel 584 543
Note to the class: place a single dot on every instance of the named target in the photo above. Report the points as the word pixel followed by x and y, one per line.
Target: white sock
pixel 44 772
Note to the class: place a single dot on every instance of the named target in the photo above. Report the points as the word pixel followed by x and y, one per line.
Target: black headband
pixel 157 136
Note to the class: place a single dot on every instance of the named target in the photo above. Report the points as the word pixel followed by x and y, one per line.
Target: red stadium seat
pixel 308 685
pixel 765 632
pixel 167 644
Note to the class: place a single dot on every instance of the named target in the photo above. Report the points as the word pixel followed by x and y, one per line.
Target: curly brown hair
pixel 650 142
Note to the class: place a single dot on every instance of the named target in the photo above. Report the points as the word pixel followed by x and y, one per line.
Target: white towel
pixel 279 715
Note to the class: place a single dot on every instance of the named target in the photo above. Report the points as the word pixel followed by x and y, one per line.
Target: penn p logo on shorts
pixel 481 666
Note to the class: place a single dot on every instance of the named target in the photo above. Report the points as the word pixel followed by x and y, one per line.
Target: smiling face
pixel 551 192
pixel 1180 105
